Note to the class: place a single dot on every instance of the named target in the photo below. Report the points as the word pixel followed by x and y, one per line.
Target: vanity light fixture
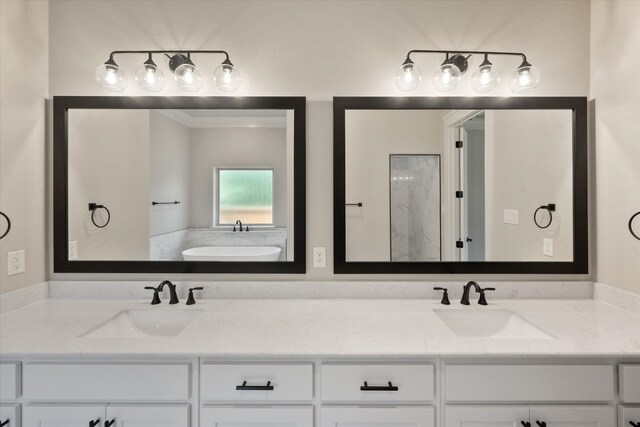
pixel 485 79
pixel 185 73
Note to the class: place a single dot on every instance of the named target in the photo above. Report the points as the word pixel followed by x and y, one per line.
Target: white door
pixel 63 415
pixel 572 416
pixel 10 415
pixel 628 416
pixel 148 415
pixel 486 416
pixel 256 416
pixel 409 416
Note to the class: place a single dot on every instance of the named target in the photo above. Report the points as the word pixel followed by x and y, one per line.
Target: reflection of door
pixel 463 214
pixel 414 194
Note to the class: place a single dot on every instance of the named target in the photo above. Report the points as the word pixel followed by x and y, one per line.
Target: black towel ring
pixel 551 207
pixel 633 233
pixel 93 207
pixel 8 225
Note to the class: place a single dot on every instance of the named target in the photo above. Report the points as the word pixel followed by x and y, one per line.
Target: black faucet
pixel 238 222
pixel 191 300
pixel 467 288
pixel 156 291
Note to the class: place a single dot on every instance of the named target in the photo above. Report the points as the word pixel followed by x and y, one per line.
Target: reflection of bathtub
pixel 232 253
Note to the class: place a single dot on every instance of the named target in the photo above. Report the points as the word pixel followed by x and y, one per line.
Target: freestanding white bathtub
pixel 232 253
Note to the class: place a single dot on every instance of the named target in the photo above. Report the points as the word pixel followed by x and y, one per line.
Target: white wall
pixel 232 148
pixel 615 39
pixel 531 151
pixel 24 85
pixel 169 156
pixel 321 49
pixel 109 165
pixel 373 135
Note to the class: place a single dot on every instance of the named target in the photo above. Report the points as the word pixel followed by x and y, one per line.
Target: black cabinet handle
pixel 635 424
pixel 244 386
pixel 367 387
pixel 525 424
pixel 4 423
pixel 541 423
pixel 109 423
pixel 94 423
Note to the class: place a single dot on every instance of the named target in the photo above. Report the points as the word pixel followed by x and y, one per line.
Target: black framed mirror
pixel 481 185
pixel 179 184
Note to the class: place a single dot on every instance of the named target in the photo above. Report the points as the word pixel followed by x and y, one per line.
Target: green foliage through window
pixel 245 194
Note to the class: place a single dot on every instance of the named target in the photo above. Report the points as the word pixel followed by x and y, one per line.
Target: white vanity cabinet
pixel 534 415
pixel 256 416
pixel 10 415
pixel 628 415
pixel 382 416
pixel 63 415
pixel 143 415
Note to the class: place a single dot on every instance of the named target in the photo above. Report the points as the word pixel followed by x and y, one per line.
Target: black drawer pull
pixel 244 386
pixel 525 424
pixel 541 423
pixel 4 423
pixel 635 424
pixel 109 423
pixel 94 423
pixel 367 387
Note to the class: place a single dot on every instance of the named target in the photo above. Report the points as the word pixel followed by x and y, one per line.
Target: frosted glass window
pixel 245 195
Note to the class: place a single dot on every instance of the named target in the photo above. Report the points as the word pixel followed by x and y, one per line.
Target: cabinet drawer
pixel 10 413
pixel 486 416
pixel 345 382
pixel 627 415
pixel 288 382
pixel 630 383
pixel 106 381
pixel 254 416
pixel 520 383
pixel 148 415
pixel 9 381
pixel 407 416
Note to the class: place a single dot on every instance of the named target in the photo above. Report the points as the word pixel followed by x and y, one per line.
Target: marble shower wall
pixel 169 246
pixel 415 207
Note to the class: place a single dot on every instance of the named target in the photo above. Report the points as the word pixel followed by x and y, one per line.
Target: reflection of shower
pixel 414 184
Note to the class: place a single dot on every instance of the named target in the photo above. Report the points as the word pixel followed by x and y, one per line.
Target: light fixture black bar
pixel 120 52
pixel 472 52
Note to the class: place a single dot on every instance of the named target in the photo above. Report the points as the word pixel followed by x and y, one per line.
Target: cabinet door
pixel 410 416
pixel 486 416
pixel 62 415
pixel 572 416
pixel 628 415
pixel 256 416
pixel 148 415
pixel 10 415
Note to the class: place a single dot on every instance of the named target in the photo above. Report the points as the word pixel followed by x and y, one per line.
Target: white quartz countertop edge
pixel 320 328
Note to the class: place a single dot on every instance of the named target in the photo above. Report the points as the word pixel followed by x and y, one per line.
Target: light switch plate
pixel 73 250
pixel 15 263
pixel 320 257
pixel 511 216
pixel 547 247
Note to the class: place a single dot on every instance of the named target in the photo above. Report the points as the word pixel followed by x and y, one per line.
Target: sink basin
pixel 144 323
pixel 490 323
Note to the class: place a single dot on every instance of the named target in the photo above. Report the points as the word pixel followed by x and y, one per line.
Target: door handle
pixel 367 387
pixel 94 423
pixel 244 386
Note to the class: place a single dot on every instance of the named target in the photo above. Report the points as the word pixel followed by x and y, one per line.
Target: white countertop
pixel 320 327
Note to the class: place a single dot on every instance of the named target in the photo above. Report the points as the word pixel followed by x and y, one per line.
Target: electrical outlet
pixel 73 250
pixel 547 247
pixel 15 263
pixel 320 257
pixel 511 216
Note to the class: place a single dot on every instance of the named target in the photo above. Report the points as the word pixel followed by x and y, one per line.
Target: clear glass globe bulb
pixel 524 79
pixel 227 78
pixel 188 78
pixel 446 78
pixel 485 79
pixel 150 78
pixel 111 77
pixel 407 77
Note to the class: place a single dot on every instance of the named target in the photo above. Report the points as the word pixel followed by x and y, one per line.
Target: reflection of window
pixel 245 195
